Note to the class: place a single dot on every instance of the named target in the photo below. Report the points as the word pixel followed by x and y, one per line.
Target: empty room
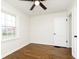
pixel 38 29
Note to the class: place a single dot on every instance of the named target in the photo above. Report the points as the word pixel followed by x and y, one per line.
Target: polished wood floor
pixel 39 51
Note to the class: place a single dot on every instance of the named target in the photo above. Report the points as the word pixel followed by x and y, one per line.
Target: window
pixel 8 26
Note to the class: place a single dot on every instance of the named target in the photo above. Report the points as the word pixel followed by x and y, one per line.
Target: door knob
pixel 75 36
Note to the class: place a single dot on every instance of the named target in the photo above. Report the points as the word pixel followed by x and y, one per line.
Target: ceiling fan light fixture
pixel 37 3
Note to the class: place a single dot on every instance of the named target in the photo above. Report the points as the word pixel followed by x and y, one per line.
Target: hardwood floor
pixel 39 51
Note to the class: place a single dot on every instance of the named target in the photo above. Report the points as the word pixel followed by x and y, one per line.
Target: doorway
pixel 61 31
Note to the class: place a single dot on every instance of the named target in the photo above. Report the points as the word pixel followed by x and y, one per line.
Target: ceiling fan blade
pixel 32 7
pixel 43 6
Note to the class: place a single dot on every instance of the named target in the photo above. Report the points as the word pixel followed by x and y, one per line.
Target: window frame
pixel 12 38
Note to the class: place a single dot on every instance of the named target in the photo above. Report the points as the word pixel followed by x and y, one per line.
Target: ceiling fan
pixel 36 3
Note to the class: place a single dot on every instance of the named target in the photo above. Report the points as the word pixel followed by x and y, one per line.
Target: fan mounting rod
pixel 37 2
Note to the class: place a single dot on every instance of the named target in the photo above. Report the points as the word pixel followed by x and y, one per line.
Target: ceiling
pixel 52 6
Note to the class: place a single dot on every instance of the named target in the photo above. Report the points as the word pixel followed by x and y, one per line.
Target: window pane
pixel 8 20
pixel 13 21
pixel 8 25
pixel 3 19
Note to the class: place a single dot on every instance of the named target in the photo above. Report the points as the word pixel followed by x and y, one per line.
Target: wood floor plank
pixel 40 51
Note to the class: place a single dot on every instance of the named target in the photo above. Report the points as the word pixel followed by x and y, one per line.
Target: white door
pixel 60 32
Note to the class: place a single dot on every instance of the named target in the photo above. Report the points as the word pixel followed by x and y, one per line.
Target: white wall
pixel 42 28
pixel 22 25
pixel 0 43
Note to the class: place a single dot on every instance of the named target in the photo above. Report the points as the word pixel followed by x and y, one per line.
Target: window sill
pixel 7 39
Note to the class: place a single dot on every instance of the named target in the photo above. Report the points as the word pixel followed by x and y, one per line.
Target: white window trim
pixel 7 39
